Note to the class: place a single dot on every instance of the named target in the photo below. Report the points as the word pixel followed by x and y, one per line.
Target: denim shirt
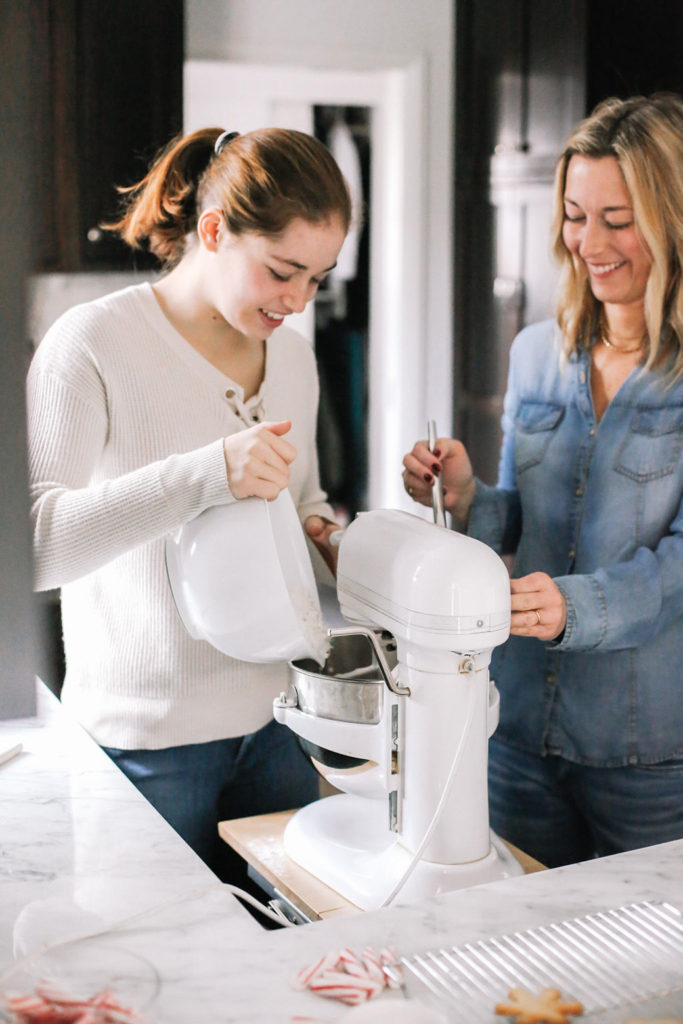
pixel 597 506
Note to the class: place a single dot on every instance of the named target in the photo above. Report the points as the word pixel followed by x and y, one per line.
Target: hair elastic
pixel 223 140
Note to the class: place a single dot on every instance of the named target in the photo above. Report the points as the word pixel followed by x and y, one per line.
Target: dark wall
pixel 633 47
pixel 110 97
pixel 18 646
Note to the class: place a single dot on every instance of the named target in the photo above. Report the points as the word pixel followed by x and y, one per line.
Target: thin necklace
pixel 617 348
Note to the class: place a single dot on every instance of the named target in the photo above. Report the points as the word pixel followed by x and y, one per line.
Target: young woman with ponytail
pixel 150 405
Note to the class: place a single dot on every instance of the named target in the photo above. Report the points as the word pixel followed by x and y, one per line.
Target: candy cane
pixel 350 978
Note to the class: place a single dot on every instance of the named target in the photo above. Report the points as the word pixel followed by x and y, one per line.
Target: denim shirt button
pixel 550 678
pixel 578 492
pixel 633 759
pixel 572 553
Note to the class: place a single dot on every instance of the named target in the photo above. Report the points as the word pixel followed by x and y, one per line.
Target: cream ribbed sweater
pixel 126 422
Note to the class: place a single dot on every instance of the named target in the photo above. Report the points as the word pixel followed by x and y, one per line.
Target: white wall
pixel 364 35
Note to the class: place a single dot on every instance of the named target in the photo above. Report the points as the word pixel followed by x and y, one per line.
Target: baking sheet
pixel 608 960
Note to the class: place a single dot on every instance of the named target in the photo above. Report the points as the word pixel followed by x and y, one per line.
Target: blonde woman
pixel 152 404
pixel 588 757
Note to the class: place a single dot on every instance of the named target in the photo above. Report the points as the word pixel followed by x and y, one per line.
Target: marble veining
pixel 82 852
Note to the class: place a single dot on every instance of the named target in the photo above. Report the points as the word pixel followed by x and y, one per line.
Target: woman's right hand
pixel 257 460
pixel 451 463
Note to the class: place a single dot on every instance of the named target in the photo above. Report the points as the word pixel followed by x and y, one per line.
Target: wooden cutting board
pixel 260 840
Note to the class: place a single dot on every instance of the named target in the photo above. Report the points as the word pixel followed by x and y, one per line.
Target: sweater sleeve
pixel 82 521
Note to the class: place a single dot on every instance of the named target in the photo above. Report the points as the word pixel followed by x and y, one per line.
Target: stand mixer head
pixel 431 605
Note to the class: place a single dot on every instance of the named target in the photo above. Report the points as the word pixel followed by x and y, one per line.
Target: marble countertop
pixel 82 853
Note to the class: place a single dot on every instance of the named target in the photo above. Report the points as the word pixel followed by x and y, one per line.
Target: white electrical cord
pixel 442 801
pixel 275 915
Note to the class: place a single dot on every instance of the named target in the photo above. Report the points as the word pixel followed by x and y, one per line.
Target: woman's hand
pixel 538 607
pixel 320 530
pixel 450 461
pixel 257 460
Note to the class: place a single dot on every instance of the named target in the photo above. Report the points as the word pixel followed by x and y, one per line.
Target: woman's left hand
pixel 320 530
pixel 538 607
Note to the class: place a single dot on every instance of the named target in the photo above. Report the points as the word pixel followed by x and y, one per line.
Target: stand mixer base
pixel 342 841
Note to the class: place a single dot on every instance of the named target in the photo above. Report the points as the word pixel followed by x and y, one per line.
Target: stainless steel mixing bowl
pixel 350 685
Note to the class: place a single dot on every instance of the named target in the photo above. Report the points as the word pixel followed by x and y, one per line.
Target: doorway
pixel 342 320
pixel 242 96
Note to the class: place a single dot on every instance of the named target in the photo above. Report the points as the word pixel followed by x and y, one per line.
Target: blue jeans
pixel 560 812
pixel 195 786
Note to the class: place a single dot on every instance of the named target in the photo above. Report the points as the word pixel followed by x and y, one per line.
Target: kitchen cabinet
pixel 110 97
pixel 519 90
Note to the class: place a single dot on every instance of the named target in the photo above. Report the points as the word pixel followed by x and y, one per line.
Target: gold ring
pixel 538 615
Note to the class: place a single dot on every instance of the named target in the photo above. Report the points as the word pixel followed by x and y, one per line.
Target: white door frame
pixel 239 96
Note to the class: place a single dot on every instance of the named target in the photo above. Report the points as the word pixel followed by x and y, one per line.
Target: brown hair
pixel 261 181
pixel 645 135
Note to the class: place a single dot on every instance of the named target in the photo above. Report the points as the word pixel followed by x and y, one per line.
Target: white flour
pixel 307 609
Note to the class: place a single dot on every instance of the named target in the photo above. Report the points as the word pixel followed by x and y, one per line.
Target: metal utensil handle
pixel 437 490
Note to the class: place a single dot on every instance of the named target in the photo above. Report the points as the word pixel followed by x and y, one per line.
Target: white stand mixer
pixel 399 716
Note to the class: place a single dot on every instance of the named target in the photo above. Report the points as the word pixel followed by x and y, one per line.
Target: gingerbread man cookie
pixel 547 1007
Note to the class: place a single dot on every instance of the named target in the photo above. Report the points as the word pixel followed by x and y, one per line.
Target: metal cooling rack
pixel 607 959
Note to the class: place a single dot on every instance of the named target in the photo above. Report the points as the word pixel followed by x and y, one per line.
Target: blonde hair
pixel 645 135
pixel 261 181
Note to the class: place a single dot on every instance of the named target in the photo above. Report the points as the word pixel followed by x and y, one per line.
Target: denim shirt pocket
pixel 652 447
pixel 535 423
